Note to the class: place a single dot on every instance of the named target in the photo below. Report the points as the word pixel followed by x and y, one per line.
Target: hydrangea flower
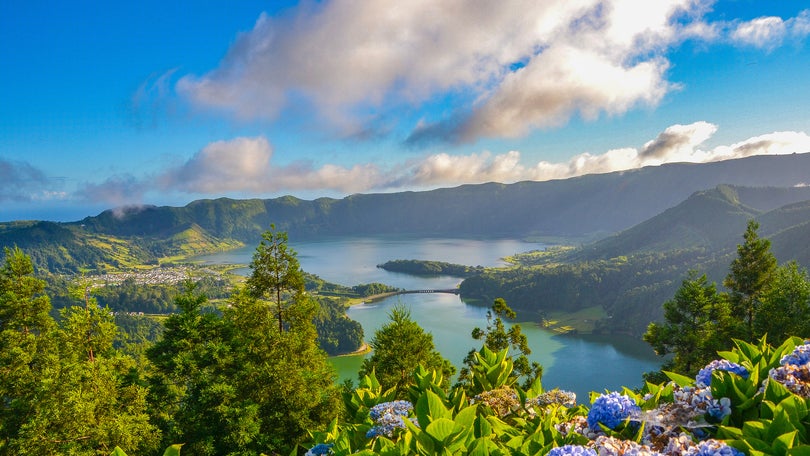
pixel 399 408
pixel 611 410
pixel 700 401
pixel 555 396
pixel 712 447
pixel 571 450
pixel 320 449
pixel 704 377
pixel 387 417
pixel 611 446
pixel 793 377
pixel 799 357
pixel 502 401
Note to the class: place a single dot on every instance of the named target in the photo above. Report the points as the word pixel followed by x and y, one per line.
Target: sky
pixel 107 104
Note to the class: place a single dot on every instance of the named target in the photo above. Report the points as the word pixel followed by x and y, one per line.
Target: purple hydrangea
pixel 704 377
pixel 571 450
pixel 712 447
pixel 611 410
pixel 799 357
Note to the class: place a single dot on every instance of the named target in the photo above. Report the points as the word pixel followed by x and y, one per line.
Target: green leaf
pixel 442 429
pixel 117 451
pixel 173 450
pixel 680 380
pixel 466 416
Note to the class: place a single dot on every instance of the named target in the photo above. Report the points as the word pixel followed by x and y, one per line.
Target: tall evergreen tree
pixel 398 348
pixel 748 276
pixel 697 325
pixel 785 304
pixel 276 273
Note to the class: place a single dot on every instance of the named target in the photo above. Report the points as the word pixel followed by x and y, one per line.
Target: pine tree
pixel 697 325
pixel 748 276
pixel 399 347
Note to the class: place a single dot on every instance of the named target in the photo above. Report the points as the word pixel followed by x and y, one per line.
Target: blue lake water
pixel 576 363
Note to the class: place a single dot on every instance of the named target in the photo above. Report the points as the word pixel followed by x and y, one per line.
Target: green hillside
pixel 631 274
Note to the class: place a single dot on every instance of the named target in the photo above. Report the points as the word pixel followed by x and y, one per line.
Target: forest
pixel 249 377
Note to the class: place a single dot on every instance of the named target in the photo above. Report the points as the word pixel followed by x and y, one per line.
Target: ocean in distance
pixel 581 363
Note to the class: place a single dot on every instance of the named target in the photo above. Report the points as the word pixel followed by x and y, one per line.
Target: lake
pixel 576 363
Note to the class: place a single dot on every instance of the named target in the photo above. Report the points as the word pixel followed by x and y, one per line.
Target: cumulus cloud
pixel 19 181
pixel 519 64
pixel 244 165
pixel 769 32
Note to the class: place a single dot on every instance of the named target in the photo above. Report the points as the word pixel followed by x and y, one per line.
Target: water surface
pixel 577 363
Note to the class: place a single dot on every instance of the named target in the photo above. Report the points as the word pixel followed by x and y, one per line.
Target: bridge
pixel 446 290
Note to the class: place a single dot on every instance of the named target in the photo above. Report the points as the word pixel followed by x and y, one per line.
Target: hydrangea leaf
pixel 680 380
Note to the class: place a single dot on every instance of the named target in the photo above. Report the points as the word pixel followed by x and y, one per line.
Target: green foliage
pixel 430 268
pixel 497 338
pixel 275 273
pixel 748 277
pixel 398 348
pixel 337 333
pixel 64 389
pixel 697 325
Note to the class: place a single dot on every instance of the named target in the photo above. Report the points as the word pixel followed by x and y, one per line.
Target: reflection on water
pixel 577 363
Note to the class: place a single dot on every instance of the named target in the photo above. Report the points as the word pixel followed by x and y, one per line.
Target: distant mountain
pixel 581 206
pixel 587 206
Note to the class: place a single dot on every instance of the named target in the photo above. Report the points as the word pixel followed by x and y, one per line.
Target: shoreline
pixel 364 348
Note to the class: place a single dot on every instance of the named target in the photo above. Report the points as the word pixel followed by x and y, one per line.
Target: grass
pixel 581 321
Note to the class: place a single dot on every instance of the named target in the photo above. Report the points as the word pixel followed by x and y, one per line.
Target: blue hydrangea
pixel 704 377
pixel 387 417
pixel 799 357
pixel 611 410
pixel 397 408
pixel 320 449
pixel 571 450
pixel 712 447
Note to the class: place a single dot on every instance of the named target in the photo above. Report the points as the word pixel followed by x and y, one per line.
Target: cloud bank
pixel 519 65
pixel 20 182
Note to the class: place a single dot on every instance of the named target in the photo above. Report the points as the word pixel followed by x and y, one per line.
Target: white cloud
pixel 243 167
pixel 769 32
pixel 341 58
pixel 762 32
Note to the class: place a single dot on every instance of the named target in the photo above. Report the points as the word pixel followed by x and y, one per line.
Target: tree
pixel 276 272
pixel 748 276
pixel 27 347
pixel 398 348
pixel 697 325
pixel 63 389
pixel 253 380
pixel 496 338
pixel 785 304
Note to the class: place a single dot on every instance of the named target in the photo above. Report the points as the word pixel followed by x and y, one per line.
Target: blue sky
pixel 106 104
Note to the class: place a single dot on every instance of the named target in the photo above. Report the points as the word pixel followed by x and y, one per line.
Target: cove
pixel 576 363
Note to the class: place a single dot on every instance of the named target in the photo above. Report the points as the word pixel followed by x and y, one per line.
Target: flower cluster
pixel 555 396
pixel 799 357
pixel 611 446
pixel 712 447
pixel 502 401
pixel 704 377
pixel 387 417
pixel 701 402
pixel 320 449
pixel 794 372
pixel 571 450
pixel 611 410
